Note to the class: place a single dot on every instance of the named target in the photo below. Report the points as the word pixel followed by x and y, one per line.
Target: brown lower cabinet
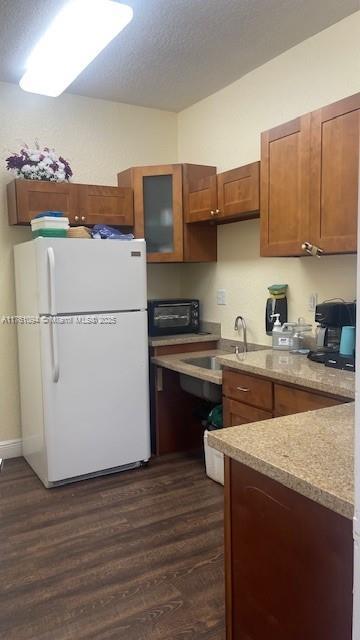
pixel 236 413
pixel 249 398
pixel 246 398
pixel 289 400
pixel 288 562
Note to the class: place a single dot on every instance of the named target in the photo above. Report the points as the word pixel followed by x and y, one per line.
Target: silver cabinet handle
pixel 242 389
pixel 76 218
pixel 83 218
pixel 212 213
pixel 312 249
pixel 217 211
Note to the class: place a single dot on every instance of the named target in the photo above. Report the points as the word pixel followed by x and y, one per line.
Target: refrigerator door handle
pixel 51 259
pixel 55 352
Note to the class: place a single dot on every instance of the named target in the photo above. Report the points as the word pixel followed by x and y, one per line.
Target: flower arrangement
pixel 39 164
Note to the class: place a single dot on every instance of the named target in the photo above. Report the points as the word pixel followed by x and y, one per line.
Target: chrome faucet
pixel 241 320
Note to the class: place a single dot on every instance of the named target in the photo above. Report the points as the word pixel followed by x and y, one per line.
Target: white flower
pixel 35 156
pixel 26 168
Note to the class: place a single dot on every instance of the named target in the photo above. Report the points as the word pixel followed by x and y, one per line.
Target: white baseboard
pixel 11 448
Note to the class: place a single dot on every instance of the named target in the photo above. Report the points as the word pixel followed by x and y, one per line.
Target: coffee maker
pixel 331 317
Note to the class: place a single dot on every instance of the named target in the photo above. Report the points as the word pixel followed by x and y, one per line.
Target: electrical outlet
pixel 312 301
pixel 221 296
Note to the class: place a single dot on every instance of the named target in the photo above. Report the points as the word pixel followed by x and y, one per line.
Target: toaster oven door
pixel 172 318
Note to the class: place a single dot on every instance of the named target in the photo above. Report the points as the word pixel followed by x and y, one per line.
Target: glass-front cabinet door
pixel 159 211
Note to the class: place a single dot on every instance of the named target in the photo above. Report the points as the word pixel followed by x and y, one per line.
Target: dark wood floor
pixel 132 556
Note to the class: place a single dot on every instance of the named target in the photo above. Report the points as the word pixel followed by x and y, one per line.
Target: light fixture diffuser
pixel 75 37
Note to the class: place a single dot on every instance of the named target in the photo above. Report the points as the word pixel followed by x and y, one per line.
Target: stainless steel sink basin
pixel 205 362
pixel 202 388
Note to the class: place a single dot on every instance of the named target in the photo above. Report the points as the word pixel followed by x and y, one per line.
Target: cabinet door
pixel 288 400
pixel 27 198
pixel 239 192
pixel 236 413
pixel 288 562
pixel 334 175
pixel 200 193
pixel 158 211
pixel 107 205
pixel 285 183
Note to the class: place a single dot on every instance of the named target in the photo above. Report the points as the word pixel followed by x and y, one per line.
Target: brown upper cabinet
pixel 334 176
pixel 309 182
pixel 113 205
pixel 27 198
pixel 285 174
pixel 82 204
pixel 160 196
pixel 226 197
pixel 238 192
pixel 200 201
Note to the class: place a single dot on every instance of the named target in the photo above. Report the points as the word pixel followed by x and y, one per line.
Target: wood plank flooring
pixel 130 556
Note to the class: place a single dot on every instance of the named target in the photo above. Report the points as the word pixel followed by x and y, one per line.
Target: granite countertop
pixel 276 365
pixel 311 453
pixel 293 369
pixel 183 338
pixel 177 362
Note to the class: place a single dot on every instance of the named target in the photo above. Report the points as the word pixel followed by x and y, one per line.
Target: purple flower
pixel 67 168
pixel 29 163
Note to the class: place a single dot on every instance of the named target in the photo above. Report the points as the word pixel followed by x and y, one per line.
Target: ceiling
pixel 174 52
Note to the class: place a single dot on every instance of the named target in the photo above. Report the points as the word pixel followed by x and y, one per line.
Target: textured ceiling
pixel 174 52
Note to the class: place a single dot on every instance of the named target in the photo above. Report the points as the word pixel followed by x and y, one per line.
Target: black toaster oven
pixel 174 316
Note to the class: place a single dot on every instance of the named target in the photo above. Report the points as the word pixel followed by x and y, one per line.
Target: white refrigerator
pixel 83 356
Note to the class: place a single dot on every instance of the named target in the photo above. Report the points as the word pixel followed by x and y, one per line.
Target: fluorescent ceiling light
pixel 75 37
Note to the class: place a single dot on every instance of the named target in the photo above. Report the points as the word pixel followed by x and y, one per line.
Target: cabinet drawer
pixel 248 389
pixel 236 413
pixel 288 400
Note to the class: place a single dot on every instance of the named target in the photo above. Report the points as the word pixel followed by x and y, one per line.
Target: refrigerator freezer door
pixel 96 394
pixel 90 276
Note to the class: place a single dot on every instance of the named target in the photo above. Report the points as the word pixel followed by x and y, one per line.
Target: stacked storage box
pixel 51 224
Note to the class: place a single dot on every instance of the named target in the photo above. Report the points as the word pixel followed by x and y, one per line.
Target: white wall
pixel 224 130
pixel 245 277
pixel 99 138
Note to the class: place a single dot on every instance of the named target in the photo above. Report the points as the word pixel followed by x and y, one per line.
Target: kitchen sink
pixel 202 388
pixel 205 362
